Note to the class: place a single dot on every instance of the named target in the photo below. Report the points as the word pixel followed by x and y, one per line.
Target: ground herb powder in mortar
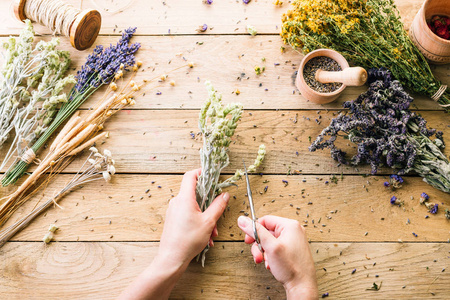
pixel 326 64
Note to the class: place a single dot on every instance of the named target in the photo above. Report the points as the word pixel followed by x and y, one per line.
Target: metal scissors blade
pixel 252 209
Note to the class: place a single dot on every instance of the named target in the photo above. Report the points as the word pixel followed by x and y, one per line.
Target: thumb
pixel 267 239
pixel 217 207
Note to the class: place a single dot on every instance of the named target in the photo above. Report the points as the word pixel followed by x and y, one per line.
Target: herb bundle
pixel 79 133
pixel 31 88
pixel 386 132
pixel 97 166
pixel 101 67
pixel 368 33
pixel 217 124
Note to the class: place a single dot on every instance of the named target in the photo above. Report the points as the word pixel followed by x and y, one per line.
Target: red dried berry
pixel 447 20
pixel 441 31
pixel 446 36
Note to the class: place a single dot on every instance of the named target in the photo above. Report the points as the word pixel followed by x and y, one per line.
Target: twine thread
pixel 439 94
pixel 29 156
pixel 54 14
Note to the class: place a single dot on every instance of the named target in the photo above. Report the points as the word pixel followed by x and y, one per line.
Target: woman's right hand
pixel 286 254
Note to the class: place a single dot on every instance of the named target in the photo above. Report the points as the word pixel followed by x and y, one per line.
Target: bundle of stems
pixel 368 33
pixel 101 67
pixel 217 129
pixel 32 87
pixel 79 133
pixel 97 166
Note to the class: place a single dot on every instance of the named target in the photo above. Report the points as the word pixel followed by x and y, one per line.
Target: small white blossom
pixel 106 175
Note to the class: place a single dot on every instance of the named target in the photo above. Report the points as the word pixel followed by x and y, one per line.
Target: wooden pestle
pixel 355 76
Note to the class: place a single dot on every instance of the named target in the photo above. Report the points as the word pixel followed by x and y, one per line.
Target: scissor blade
pixel 249 194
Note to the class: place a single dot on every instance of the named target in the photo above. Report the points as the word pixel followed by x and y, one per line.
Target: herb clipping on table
pixel 386 132
pixel 368 33
pixel 217 124
pixel 101 67
pixel 32 84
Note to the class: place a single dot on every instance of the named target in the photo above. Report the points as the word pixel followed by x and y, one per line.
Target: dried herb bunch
pixel 368 33
pixel 97 166
pixel 32 86
pixel 217 124
pixel 102 66
pixel 386 132
pixel 79 133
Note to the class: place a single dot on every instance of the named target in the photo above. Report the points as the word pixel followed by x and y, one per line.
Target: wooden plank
pixel 168 17
pixel 223 60
pixel 159 141
pixel 346 211
pixel 103 270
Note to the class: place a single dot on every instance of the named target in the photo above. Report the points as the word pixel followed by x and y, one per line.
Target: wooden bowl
pixel 309 93
pixel 434 48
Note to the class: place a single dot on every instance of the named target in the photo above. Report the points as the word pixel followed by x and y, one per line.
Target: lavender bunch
pixel 218 124
pixel 386 132
pixel 102 66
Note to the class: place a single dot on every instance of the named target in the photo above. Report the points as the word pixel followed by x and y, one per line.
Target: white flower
pixel 98 167
pixel 93 149
pixel 92 161
pixel 111 169
pixel 106 175
pixel 107 153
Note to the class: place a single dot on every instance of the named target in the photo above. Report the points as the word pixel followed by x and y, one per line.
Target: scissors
pixel 252 209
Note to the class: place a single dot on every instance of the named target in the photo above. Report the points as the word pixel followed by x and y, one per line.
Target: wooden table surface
pixel 109 232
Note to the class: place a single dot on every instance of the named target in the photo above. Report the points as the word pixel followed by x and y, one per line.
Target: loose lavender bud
pixel 394 200
pixel 434 209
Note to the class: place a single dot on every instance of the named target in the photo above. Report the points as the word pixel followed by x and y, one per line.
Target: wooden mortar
pixel 83 31
pixel 309 93
pixel 434 48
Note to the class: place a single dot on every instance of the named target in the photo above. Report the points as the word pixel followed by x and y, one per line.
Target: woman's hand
pixel 187 231
pixel 286 254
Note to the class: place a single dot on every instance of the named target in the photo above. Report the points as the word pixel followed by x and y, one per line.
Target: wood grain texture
pixel 222 60
pixel 102 270
pixel 346 211
pixel 184 17
pixel 159 141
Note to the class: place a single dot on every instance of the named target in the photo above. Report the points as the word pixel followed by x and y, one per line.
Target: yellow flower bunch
pixel 368 33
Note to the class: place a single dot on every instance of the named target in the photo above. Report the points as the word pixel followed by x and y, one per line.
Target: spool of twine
pixel 61 18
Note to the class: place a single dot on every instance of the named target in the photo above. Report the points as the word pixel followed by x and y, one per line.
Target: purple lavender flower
pixel 386 184
pixel 101 66
pixel 424 196
pixel 386 132
pixel 246 1
pixel 434 209
pixel 202 28
pixel 209 2
pixel 394 200
pixel 325 295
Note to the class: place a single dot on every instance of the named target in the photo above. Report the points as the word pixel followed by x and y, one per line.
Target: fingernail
pixel 226 197
pixel 242 221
